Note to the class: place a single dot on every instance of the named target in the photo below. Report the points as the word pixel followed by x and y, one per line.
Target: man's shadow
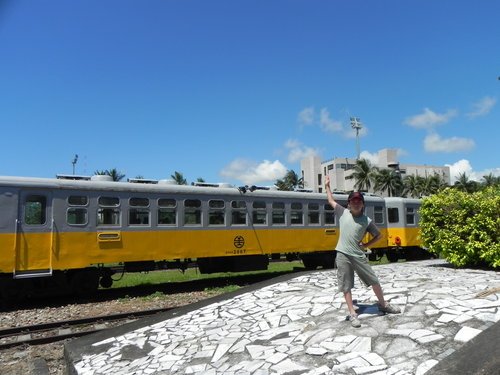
pixel 370 309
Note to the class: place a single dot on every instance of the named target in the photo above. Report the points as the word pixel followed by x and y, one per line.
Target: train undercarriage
pixel 396 253
pixel 86 281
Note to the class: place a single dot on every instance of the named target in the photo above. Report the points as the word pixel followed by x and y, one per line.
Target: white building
pixel 314 171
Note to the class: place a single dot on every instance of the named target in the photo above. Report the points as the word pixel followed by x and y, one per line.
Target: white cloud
pixel 309 117
pixel 250 172
pixel 297 151
pixel 306 116
pixel 428 119
pixel 482 107
pixel 464 166
pixel 460 167
pixel 494 171
pixel 434 143
pixel 372 158
pixel 327 124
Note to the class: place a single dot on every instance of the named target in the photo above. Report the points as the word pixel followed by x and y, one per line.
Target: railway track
pixel 45 333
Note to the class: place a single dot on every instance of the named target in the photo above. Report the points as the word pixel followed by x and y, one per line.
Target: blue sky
pixel 241 91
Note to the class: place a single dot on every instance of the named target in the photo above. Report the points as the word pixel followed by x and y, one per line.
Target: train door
pixel 34 235
pixel 8 219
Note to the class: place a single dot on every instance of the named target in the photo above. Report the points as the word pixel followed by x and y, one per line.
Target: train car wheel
pixel 85 282
pixel 310 264
pixel 329 260
pixel 392 255
pixel 106 281
pixel 9 290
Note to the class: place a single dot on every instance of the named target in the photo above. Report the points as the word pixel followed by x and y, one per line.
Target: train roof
pixel 104 183
pixel 400 200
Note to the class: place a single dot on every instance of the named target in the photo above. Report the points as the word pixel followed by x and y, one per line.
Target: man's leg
pixel 377 289
pixel 382 305
pixel 348 301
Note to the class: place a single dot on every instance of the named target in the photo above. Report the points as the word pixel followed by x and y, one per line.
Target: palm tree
pixel 179 179
pixel 113 172
pixel 436 184
pixel 490 180
pixel 464 183
pixel 364 175
pixel 281 185
pixel 290 181
pixel 389 180
pixel 411 186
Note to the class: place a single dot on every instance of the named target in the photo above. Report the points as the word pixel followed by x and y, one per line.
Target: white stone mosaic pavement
pixel 299 327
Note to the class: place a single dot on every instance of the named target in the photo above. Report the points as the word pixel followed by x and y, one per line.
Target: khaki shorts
pixel 347 265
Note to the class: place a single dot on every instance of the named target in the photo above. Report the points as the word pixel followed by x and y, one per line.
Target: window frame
pixel 113 210
pixel 164 208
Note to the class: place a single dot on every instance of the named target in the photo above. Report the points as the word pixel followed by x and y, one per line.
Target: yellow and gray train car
pixel 67 233
pixel 403 238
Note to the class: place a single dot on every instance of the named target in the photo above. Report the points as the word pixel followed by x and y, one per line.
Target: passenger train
pixel 71 232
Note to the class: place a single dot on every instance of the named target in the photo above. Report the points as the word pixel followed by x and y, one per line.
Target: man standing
pixel 353 225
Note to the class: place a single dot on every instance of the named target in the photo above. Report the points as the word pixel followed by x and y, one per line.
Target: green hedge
pixel 463 228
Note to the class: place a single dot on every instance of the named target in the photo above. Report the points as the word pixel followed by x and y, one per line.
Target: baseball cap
pixel 356 195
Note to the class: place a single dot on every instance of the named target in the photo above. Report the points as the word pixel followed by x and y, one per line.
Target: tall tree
pixel 115 174
pixel 290 181
pixel 464 183
pixel 179 179
pixel 363 174
pixel 390 181
pixel 490 180
pixel 436 184
pixel 411 186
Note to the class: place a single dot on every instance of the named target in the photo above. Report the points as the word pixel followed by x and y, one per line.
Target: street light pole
pixel 356 125
pixel 74 162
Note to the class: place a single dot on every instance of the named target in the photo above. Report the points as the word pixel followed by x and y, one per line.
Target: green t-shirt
pixel 352 230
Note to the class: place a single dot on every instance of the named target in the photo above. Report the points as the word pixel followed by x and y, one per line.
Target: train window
pixel 167 211
pixel 238 213
pixel 410 215
pixel 278 213
pixel 378 214
pixel 138 216
pixel 296 213
pixel 192 212
pixel 216 212
pixel 329 215
pixel 141 202
pixel 77 216
pixel 108 216
pixel 393 214
pixel 78 200
pixel 259 214
pixel 109 201
pixel 313 213
pixel 170 203
pixel 34 209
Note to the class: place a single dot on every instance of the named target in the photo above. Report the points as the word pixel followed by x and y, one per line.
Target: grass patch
pixel 192 274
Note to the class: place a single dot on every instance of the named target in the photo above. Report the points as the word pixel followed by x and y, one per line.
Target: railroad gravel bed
pixel 22 359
